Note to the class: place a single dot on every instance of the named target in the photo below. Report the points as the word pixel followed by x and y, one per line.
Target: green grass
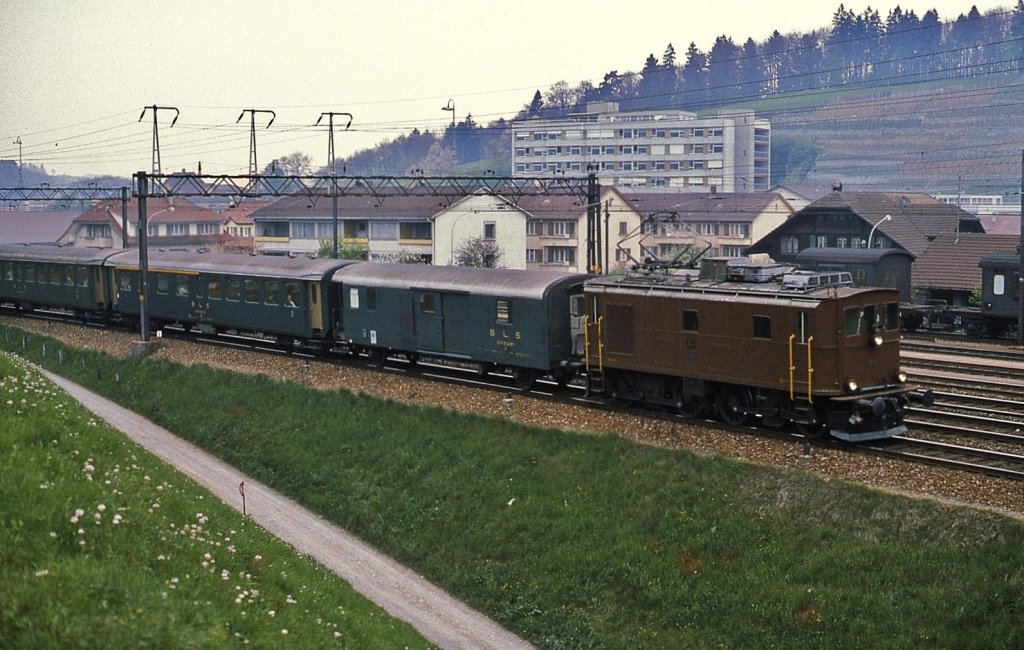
pixel 578 541
pixel 104 545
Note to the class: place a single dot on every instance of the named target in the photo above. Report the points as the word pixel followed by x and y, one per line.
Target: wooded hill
pixel 905 102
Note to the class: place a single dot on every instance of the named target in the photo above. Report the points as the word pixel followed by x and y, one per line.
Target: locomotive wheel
pixel 692 408
pixel 814 429
pixel 524 378
pixel 732 404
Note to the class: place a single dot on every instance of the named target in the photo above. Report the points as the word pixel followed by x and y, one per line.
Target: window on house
pixel 489 230
pixel 533 255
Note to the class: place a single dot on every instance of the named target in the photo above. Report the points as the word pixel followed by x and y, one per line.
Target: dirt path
pixel 439 617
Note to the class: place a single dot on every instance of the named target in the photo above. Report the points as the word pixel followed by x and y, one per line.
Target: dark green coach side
pixel 501 319
pixel 281 297
pixel 65 277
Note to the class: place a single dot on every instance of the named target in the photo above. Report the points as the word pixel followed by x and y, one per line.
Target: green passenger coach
pixel 280 297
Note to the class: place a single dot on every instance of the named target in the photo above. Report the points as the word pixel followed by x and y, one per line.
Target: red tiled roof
pixel 951 261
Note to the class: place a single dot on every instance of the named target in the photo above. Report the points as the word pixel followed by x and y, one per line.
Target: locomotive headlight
pixel 877 340
pixel 901 377
pixel 852 385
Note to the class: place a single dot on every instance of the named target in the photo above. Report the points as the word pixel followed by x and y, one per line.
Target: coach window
pixel 30 273
pixel 504 311
pixel 292 294
pixel 427 305
pixel 803 324
pixel 69 278
pixel 851 321
pixel 83 276
pixel 690 321
pixel 762 327
pixel 8 271
pixel 54 274
pixel 998 284
pixel 181 285
pixel 124 280
pixel 353 298
pixel 252 290
pixel 234 289
pixel 163 283
pixel 216 290
pixel 371 299
pixel 272 292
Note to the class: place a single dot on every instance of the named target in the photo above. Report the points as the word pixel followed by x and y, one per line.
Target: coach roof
pixel 301 268
pixel 511 283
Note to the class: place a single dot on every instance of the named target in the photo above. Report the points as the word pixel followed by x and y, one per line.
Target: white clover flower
pixel 41 573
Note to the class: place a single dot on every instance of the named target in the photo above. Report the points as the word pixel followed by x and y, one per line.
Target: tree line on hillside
pixel 856 50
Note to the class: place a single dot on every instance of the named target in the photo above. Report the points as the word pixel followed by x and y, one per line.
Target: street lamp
pixel 871 234
pixel 451 107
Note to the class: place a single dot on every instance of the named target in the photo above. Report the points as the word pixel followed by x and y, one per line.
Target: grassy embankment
pixel 590 541
pixel 105 546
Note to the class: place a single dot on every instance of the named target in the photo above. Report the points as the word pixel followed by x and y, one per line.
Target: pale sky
pixel 76 74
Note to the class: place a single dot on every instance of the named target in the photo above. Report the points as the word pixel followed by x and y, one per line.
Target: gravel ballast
pixel 915 480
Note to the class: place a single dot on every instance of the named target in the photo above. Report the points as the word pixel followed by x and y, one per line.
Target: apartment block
pixel 655 151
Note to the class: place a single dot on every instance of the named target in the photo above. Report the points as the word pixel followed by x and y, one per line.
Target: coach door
pixel 428 316
pixel 316 314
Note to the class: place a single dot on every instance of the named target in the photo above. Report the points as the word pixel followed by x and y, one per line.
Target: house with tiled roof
pixel 717 224
pixel 386 227
pixel 34 226
pixel 948 270
pixel 172 224
pixel 537 231
pixel 906 220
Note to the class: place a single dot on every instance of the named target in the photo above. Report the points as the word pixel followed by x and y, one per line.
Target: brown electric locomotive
pixel 745 341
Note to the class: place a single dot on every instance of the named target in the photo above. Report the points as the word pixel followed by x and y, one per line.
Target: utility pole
pixel 156 134
pixel 253 167
pixel 1020 252
pixel 451 107
pixel 21 177
pixel 334 175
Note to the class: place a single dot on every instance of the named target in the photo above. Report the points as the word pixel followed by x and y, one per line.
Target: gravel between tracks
pixel 891 475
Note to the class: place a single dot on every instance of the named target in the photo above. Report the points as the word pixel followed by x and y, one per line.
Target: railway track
pixel 936 452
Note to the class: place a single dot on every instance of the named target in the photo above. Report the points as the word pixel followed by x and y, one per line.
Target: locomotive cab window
pixel 762 327
pixel 504 308
pixel 690 320
pixel 851 321
pixel 871 318
pixel 803 326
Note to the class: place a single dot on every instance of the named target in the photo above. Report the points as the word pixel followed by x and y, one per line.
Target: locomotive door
pixel 801 357
pixel 429 316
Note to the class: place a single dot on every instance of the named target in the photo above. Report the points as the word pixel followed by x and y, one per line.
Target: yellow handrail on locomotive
pixel 586 343
pixel 810 370
pixel 792 368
